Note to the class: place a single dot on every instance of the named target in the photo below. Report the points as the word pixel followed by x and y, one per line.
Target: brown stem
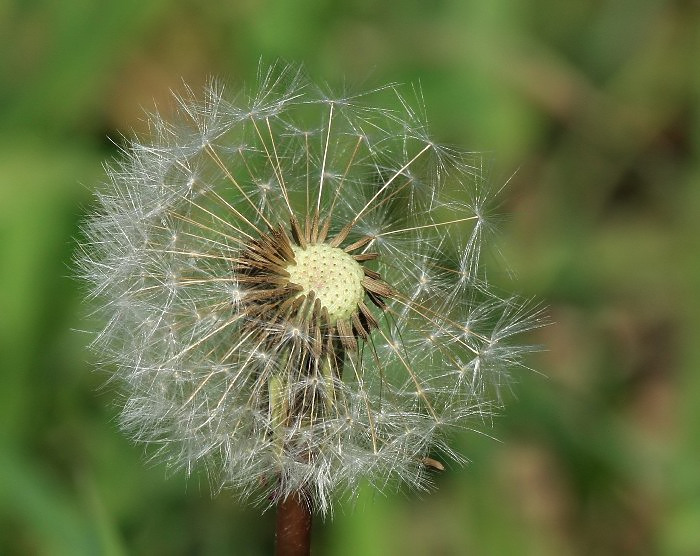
pixel 293 527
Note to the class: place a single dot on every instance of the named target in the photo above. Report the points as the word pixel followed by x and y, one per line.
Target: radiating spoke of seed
pixel 389 182
pixel 233 180
pixel 420 392
pixel 275 167
pixel 339 188
pixel 323 164
pixel 433 225
pixel 421 310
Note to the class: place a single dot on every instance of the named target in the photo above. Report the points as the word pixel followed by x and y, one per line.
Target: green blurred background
pixel 589 108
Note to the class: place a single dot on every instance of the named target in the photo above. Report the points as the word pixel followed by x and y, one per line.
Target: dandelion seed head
pixel 292 290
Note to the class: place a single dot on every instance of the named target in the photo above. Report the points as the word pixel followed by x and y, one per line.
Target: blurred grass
pixel 595 104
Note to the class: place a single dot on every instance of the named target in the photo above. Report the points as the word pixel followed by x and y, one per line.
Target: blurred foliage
pixel 596 106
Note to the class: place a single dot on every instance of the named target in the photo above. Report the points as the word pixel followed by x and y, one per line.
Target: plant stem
pixel 293 527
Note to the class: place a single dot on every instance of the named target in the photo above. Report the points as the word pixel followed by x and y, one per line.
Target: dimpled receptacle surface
pixel 333 275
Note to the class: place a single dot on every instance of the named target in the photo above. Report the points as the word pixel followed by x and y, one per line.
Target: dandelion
pixel 293 295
